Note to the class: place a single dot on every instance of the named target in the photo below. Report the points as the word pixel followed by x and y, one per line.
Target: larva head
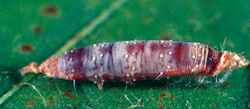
pixel 231 61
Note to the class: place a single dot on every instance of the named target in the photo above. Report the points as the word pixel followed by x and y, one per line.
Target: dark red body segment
pixel 135 60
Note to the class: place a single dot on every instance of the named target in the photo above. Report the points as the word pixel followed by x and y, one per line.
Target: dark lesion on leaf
pixel 68 94
pixel 50 101
pixel 165 94
pixel 161 96
pixel 30 104
pixel 26 48
pixel 165 37
pixel 50 10
pixel 37 29
pixel 161 106
pixel 225 85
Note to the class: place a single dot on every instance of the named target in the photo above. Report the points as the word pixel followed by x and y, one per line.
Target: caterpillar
pixel 138 60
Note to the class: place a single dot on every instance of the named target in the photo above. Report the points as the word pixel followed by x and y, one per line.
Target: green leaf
pixel 33 30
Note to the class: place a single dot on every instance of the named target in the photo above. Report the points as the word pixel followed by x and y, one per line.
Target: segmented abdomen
pixel 134 59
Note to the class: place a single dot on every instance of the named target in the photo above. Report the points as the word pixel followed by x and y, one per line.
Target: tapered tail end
pixel 32 67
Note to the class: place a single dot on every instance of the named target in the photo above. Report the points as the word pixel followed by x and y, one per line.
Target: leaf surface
pixel 31 31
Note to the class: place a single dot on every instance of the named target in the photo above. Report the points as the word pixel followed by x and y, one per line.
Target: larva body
pixel 137 60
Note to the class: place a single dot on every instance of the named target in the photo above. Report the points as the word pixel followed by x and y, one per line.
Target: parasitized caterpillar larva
pixel 138 60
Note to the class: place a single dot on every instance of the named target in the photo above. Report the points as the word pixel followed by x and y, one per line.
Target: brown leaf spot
pixel 166 94
pixel 50 10
pixel 26 48
pixel 161 96
pixel 50 101
pixel 37 29
pixel 200 87
pixel 165 37
pixel 213 106
pixel 68 94
pixel 51 81
pixel 161 106
pixel 225 85
pixel 29 104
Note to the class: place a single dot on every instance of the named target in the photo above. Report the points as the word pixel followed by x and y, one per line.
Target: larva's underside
pixel 138 60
